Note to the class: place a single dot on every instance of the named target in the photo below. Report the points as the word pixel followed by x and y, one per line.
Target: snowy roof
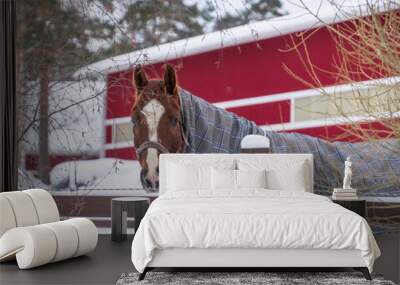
pixel 251 32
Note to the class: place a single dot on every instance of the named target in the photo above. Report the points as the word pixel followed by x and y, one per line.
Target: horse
pixel 168 119
pixel 156 120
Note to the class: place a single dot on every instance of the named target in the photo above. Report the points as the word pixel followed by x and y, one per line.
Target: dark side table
pixel 358 206
pixel 119 214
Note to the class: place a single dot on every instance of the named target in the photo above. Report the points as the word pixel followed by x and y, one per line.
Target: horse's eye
pixel 134 122
pixel 174 121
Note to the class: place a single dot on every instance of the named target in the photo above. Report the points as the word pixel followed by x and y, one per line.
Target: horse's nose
pixel 143 178
pixel 149 180
pixel 151 184
pixel 152 179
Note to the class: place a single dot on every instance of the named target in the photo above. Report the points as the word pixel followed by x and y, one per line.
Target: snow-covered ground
pixel 27 180
pixel 99 174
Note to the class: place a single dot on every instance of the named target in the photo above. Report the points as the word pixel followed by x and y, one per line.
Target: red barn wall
pixel 242 71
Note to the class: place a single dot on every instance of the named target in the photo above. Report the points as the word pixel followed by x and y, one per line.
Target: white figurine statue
pixel 347 174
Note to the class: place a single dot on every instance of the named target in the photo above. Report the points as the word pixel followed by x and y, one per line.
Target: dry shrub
pixel 368 48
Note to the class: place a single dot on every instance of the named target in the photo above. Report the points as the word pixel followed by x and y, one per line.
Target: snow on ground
pixel 27 180
pixel 98 174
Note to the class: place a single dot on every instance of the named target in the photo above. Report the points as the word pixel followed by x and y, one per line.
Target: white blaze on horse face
pixel 153 112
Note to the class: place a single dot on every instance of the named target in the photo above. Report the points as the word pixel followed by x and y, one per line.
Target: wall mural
pixel 110 120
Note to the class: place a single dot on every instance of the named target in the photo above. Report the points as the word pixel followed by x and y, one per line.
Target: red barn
pixel 241 70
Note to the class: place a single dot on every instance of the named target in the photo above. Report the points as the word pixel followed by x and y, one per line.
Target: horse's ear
pixel 170 79
pixel 140 78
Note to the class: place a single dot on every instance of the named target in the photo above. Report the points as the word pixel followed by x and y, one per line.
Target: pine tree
pixel 52 42
pixel 148 23
pixel 158 21
pixel 254 10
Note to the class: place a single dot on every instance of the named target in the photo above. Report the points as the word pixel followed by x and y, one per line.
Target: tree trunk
pixel 44 160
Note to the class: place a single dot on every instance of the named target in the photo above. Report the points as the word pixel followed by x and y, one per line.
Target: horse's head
pixel 156 122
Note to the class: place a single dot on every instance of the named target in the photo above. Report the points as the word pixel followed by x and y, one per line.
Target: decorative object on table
pixel 347 174
pixel 119 214
pixel 347 192
pixel 31 231
pixel 358 206
pixel 243 278
pixel 344 194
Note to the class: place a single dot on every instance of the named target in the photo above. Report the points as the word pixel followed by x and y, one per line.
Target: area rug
pixel 243 278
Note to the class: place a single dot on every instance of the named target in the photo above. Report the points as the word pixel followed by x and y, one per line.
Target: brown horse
pixel 167 121
pixel 156 122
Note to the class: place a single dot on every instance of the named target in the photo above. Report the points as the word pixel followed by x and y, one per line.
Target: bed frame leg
pixel 143 274
pixel 364 271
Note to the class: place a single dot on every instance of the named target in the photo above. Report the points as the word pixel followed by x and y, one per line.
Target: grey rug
pixel 228 278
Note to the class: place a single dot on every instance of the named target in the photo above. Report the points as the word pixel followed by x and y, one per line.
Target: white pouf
pixel 31 233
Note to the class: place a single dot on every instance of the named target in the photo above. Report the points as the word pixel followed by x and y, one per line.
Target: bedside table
pixel 358 206
pixel 119 214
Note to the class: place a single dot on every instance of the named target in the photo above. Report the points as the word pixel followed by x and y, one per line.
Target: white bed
pixel 199 225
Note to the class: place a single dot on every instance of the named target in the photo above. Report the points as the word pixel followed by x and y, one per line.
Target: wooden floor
pixel 111 259
pixel 103 266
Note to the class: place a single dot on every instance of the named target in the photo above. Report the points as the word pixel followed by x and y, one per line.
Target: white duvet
pixel 250 219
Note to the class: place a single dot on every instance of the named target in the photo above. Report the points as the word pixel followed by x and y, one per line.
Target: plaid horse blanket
pixel 376 165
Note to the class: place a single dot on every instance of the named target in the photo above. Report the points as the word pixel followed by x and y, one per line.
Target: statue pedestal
pixel 350 190
pixel 344 194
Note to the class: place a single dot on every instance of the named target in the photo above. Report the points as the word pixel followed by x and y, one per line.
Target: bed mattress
pixel 250 219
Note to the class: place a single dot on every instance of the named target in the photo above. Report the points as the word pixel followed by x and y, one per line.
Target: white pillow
pixel 281 174
pixel 182 177
pixel 251 178
pixel 187 174
pixel 228 179
pixel 223 179
pixel 290 178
